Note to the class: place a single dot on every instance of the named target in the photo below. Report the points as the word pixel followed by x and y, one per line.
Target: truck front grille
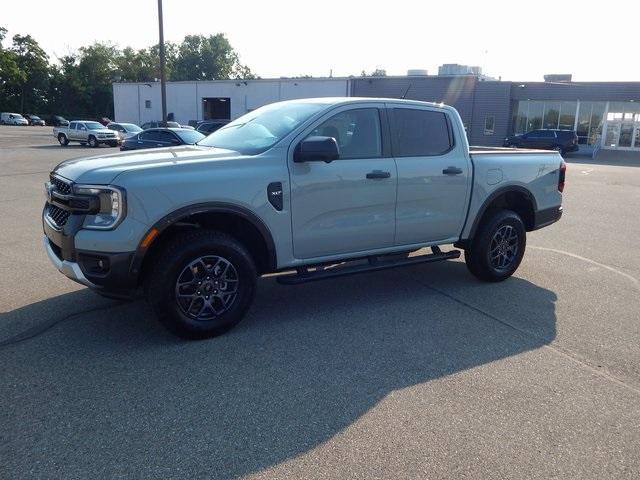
pixel 57 215
pixel 61 186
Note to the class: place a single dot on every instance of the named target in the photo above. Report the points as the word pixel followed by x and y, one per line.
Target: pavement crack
pixel 44 327
pixel 545 342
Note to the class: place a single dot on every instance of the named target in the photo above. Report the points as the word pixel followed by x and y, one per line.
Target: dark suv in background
pixel 562 141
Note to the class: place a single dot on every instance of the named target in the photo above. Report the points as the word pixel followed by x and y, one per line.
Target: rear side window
pixel 420 133
pixel 151 136
pixel 72 126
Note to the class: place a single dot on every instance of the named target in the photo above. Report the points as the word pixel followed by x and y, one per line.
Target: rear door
pixel 434 174
pixel 71 130
pixel 346 206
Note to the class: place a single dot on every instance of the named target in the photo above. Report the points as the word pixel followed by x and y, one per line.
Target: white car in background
pixel 124 130
pixel 13 119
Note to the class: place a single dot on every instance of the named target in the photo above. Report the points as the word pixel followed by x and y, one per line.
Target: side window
pixel 151 136
pixel 420 133
pixel 166 136
pixel 357 133
pixel 548 134
pixel 534 134
pixel 72 126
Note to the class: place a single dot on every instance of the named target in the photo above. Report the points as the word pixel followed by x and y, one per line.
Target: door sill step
pixel 374 264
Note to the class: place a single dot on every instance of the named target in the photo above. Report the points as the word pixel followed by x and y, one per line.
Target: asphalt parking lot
pixel 420 372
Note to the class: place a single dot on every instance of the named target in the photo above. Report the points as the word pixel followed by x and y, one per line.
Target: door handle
pixel 452 171
pixel 378 174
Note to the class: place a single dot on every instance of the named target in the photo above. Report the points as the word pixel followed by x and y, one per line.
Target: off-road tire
pixel 93 141
pixel 176 257
pixel 478 255
pixel 63 140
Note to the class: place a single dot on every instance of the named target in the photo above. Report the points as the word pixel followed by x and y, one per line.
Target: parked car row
pixel 128 135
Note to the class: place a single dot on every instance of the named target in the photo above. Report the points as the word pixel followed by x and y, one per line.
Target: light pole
pixel 163 80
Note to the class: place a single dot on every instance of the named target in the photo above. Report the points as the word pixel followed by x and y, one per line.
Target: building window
pixel 535 114
pixel 147 104
pixel 489 124
pixel 590 119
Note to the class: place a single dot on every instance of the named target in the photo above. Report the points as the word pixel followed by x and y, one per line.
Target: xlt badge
pixel 274 194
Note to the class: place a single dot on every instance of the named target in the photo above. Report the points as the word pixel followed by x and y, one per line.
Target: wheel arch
pixel 235 220
pixel 512 197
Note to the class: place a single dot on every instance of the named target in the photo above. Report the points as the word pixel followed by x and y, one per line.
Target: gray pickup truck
pixel 86 132
pixel 309 189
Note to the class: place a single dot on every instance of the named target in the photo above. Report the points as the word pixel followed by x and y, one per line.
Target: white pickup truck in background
pixel 86 132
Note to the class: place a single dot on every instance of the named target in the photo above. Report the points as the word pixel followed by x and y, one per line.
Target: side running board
pixel 376 263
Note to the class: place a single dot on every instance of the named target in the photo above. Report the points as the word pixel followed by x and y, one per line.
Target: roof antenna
pixel 406 91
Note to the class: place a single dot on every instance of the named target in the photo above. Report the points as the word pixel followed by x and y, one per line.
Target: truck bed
pixel 480 150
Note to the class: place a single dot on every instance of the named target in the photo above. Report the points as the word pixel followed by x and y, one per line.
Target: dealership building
pixel 604 114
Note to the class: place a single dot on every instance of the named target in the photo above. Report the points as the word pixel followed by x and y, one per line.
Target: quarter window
pixel 420 133
pixel 357 133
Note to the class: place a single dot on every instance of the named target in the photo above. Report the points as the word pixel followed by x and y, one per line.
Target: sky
pixel 512 40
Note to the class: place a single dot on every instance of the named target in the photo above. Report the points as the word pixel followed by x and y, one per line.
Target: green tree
pixel 378 72
pixel 207 58
pixel 11 76
pixel 33 63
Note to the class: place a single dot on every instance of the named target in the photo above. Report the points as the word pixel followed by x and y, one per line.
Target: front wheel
pixel 93 142
pixel 202 284
pixel 63 140
pixel 498 246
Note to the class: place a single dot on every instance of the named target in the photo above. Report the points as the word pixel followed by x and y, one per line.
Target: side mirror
pixel 316 149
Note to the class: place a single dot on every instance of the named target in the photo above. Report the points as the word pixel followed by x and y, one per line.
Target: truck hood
pixel 103 169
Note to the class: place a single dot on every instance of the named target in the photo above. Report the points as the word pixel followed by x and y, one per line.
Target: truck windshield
pixel 94 125
pixel 259 130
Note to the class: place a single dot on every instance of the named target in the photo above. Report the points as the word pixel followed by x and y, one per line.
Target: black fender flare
pixel 495 194
pixel 208 207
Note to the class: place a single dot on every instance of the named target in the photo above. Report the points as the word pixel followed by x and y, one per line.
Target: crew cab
pixel 86 132
pixel 307 189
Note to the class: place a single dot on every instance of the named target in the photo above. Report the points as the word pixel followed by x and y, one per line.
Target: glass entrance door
pixel 612 134
pixel 626 135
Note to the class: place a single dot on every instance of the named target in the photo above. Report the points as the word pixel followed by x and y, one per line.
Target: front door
pixel 346 206
pixel 434 176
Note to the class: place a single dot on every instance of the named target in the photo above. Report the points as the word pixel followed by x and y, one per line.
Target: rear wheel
pixel 63 140
pixel 202 284
pixel 93 142
pixel 498 247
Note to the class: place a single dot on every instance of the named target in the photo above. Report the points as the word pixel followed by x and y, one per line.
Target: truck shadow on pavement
pixel 111 393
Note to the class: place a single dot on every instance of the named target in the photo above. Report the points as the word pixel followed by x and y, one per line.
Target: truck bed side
pixel 529 175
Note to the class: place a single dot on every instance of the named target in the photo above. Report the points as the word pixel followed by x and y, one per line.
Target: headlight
pixel 112 206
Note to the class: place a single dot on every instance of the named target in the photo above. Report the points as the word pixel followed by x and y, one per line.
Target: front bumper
pixel 70 269
pixel 109 273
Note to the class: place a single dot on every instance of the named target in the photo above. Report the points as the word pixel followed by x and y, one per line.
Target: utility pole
pixel 163 80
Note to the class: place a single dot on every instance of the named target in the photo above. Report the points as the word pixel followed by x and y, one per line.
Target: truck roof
pixel 347 100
